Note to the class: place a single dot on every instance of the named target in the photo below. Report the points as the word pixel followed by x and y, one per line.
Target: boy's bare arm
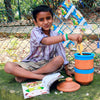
pixel 52 40
pixel 57 39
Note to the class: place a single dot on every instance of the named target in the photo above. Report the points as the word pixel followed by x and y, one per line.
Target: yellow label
pixel 80 48
pixel 15 60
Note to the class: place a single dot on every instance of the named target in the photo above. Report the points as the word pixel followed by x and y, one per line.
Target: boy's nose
pixel 45 21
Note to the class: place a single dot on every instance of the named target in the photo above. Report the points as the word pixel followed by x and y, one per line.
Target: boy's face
pixel 44 20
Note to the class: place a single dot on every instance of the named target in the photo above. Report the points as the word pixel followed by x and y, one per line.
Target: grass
pixel 11 90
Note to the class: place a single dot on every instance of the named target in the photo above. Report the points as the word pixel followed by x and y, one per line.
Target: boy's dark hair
pixel 41 8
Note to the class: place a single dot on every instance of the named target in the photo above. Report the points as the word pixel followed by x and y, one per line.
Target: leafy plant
pixel 12 46
pixel 97 59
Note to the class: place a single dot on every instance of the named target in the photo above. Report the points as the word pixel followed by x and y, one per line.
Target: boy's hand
pixel 73 37
pixel 69 73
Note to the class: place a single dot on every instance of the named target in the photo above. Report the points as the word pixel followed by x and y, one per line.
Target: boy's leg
pixel 50 67
pixel 21 73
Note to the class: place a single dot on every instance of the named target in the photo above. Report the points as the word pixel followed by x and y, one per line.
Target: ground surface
pixel 11 90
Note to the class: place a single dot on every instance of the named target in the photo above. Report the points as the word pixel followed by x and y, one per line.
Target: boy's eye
pixel 41 19
pixel 48 18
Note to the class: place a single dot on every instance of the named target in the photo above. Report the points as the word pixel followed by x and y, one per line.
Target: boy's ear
pixel 34 22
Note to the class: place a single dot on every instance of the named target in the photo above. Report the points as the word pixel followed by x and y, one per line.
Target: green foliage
pixel 97 59
pixel 1 66
pixel 13 46
pixel 11 52
pixel 28 5
pixel 35 3
pixel 13 42
pixel 16 17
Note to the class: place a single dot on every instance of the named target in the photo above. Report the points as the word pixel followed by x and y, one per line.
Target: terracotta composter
pixel 84 69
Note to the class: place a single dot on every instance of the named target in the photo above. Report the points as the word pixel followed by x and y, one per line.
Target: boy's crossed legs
pixel 22 74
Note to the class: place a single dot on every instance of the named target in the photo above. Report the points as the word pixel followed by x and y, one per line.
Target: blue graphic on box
pixel 98 43
pixel 81 3
pixel 65 10
pixel 71 10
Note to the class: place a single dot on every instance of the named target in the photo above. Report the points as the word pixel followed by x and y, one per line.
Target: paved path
pixel 27 29
pixel 17 29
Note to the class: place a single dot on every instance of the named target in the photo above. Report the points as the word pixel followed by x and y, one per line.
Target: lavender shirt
pixel 39 51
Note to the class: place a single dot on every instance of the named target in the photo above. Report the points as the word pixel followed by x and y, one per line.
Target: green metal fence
pixel 16 25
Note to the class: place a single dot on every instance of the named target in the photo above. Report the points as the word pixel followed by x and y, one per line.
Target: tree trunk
pixel 9 11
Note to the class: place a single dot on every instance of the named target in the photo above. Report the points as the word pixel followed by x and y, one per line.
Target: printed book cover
pixel 32 89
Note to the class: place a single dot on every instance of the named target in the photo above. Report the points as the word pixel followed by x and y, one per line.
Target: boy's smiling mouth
pixel 46 26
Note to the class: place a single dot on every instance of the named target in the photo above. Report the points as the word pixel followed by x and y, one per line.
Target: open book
pixel 36 88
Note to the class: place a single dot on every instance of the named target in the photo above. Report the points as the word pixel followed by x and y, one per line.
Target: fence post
pixel 19 10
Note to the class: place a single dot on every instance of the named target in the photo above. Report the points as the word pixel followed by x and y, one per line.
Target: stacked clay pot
pixel 84 69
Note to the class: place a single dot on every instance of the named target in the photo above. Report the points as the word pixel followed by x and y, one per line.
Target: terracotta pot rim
pixel 87 54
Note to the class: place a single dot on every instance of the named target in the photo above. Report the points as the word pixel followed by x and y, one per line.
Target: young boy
pixel 47 54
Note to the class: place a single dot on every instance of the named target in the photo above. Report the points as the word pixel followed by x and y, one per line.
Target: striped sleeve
pixel 36 37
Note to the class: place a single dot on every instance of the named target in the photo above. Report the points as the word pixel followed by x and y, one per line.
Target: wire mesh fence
pixel 16 23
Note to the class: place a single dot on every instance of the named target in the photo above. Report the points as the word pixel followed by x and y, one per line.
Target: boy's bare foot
pixel 19 79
